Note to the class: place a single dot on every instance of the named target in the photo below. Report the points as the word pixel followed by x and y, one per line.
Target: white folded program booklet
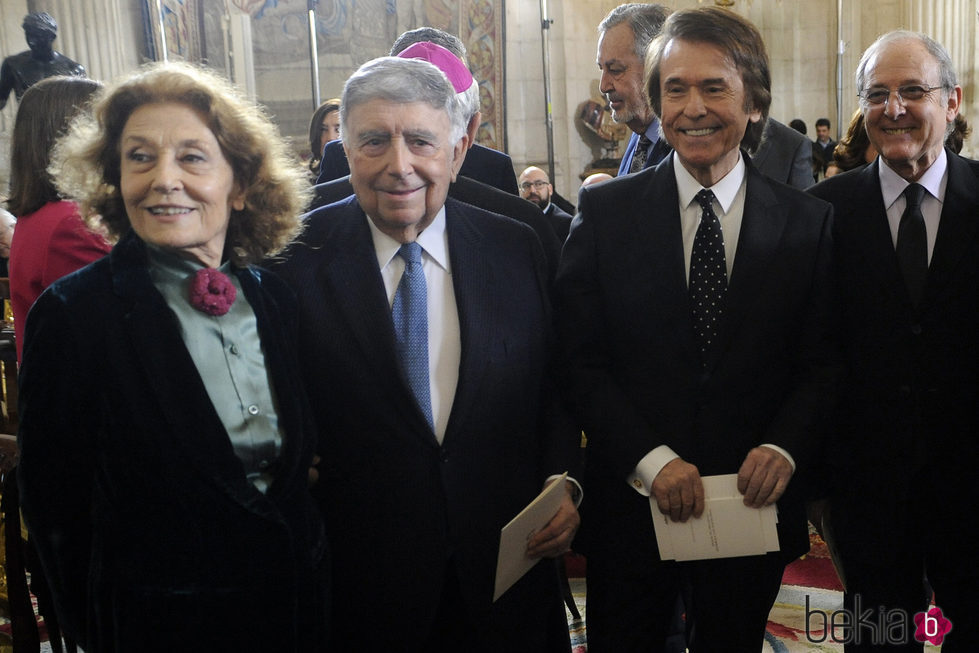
pixel 727 529
pixel 512 561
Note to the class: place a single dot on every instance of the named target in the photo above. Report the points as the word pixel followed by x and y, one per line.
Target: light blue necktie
pixel 410 314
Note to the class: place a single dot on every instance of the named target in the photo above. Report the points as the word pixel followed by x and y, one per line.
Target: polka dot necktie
pixel 410 314
pixel 912 243
pixel 708 276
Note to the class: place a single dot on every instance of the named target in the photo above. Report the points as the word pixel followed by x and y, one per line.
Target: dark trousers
pixel 729 604
pixel 452 629
pixel 928 555
pixel 898 590
pixel 455 630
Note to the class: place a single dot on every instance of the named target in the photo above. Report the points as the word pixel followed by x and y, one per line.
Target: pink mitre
pixel 444 60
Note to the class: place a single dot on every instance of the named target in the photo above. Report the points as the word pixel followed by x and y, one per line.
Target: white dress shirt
pixel 444 340
pixel 934 180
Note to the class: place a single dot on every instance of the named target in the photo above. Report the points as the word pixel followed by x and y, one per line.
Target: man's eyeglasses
pixel 909 93
pixel 537 185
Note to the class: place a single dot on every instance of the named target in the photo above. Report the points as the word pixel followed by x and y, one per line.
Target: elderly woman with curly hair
pixel 165 439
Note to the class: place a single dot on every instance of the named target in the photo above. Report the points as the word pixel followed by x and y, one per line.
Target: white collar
pixel 892 185
pixel 432 241
pixel 724 190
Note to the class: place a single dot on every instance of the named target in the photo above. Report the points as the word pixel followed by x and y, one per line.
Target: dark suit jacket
pixel 785 155
pixel 909 413
pixel 825 150
pixel 562 203
pixel 148 531
pixel 482 164
pixel 633 367
pixel 490 167
pixel 560 221
pixel 398 505
pixel 475 194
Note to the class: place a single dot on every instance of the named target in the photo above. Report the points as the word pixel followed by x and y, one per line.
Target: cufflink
pixel 637 483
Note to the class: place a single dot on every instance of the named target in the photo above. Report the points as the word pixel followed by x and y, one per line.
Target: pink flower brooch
pixel 212 292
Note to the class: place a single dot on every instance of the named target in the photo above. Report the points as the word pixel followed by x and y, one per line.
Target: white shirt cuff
pixel 782 451
pixel 641 479
pixel 578 493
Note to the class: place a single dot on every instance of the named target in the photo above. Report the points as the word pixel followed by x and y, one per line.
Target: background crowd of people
pixel 263 414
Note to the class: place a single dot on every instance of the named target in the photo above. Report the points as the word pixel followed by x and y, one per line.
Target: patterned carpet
pixel 810 584
pixel 579 643
pixel 810 580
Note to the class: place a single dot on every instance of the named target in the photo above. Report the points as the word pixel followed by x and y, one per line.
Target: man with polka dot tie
pixel 695 313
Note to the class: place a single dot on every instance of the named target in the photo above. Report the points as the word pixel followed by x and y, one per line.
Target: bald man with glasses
pixel 535 186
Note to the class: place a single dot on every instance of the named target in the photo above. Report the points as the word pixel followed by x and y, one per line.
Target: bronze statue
pixel 20 71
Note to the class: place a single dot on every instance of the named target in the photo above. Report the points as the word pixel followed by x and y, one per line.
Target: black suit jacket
pixel 826 151
pixel 909 413
pixel 633 368
pixel 482 164
pixel 398 505
pixel 785 155
pixel 491 167
pixel 560 221
pixel 149 532
pixel 476 194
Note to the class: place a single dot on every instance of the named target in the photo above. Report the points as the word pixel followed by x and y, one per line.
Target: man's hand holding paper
pixel 679 490
pixel 763 477
pixel 728 527
pixel 555 538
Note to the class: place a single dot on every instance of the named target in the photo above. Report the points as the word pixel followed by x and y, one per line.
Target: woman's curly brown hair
pixel 86 162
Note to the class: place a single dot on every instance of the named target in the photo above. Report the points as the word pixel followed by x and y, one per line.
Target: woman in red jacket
pixel 50 239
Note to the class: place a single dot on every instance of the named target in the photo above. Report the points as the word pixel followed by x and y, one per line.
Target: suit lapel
pixel 659 265
pixel 874 237
pixel 957 229
pixel 472 277
pixel 762 225
pixel 349 272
